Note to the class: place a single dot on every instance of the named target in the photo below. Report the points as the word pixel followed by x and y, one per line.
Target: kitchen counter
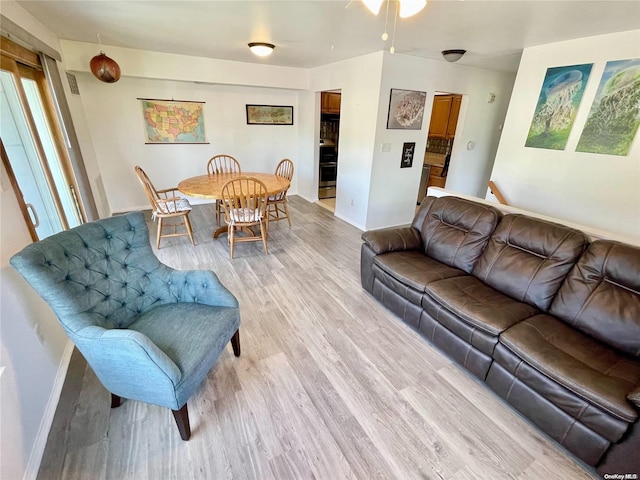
pixel 431 158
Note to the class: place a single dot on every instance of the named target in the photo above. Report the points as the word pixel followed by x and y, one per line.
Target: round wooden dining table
pixel 210 186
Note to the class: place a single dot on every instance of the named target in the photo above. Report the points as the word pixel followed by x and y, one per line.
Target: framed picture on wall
pixel 408 149
pixel 613 120
pixel 558 102
pixel 269 115
pixel 173 121
pixel 406 109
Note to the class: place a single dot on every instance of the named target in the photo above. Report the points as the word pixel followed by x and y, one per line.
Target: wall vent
pixel 73 83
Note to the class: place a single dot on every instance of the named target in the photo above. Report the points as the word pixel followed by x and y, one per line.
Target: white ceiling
pixel 318 32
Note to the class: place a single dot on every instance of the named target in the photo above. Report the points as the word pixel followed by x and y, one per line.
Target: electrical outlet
pixel 386 147
pixel 352 202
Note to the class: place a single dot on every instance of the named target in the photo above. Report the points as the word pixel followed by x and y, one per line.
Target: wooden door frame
pixel 18 193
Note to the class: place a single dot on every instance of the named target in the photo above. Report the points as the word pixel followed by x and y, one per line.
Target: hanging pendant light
pixel 104 68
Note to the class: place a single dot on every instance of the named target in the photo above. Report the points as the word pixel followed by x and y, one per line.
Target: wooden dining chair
pixel 219 165
pixel 277 204
pixel 166 204
pixel 244 200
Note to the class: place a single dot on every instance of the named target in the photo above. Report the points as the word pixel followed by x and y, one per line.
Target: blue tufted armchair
pixel 150 333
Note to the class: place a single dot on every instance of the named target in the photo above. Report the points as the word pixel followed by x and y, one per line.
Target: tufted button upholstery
pixel 122 308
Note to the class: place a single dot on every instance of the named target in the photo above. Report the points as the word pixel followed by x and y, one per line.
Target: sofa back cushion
pixel 455 231
pixel 601 295
pixel 528 258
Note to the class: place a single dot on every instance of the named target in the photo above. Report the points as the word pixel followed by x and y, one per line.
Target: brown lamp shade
pixel 104 68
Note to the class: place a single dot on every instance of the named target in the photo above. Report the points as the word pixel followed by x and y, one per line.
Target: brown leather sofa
pixel 550 321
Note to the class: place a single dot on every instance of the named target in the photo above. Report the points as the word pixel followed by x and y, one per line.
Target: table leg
pixel 223 229
pixel 220 231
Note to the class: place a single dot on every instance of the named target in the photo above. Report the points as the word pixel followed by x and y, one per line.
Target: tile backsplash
pixel 438 145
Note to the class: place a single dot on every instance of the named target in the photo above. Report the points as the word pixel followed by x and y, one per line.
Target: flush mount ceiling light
pixel 453 55
pixel 261 49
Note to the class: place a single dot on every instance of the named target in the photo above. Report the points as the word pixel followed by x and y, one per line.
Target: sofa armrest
pixel 634 396
pixel 393 239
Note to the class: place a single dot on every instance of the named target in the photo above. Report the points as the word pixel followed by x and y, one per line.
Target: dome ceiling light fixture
pixel 261 49
pixel 104 68
pixel 404 9
pixel 453 55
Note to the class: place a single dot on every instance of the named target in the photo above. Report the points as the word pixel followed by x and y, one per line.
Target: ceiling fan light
pixel 261 49
pixel 411 7
pixel 453 55
pixel 373 5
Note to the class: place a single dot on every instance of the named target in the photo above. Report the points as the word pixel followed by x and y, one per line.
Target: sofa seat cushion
pixel 583 365
pixel 414 269
pixel 478 304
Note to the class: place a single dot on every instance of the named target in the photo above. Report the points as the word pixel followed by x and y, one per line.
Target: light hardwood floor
pixel 330 385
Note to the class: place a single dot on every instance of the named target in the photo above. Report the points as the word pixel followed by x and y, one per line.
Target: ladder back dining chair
pixel 149 332
pixel 244 200
pixel 218 165
pixel 277 208
pixel 166 204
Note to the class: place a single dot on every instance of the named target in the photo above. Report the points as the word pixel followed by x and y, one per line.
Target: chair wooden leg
pixel 286 211
pixel 219 211
pixel 159 232
pixel 263 233
pixel 187 223
pixel 235 343
pixel 115 400
pixel 266 220
pixel 232 239
pixel 182 421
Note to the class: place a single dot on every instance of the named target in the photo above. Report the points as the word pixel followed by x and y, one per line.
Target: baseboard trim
pixel 39 445
pixel 350 222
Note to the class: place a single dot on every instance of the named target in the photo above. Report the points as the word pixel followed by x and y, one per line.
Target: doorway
pixel 330 102
pixel 442 132
pixel 32 146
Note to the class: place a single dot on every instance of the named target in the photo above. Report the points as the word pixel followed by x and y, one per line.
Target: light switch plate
pixel 386 147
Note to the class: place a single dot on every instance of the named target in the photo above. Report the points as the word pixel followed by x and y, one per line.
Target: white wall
pixel 114 115
pixel 358 79
pixel 602 191
pixel 393 190
pixel 29 389
pixel 34 371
